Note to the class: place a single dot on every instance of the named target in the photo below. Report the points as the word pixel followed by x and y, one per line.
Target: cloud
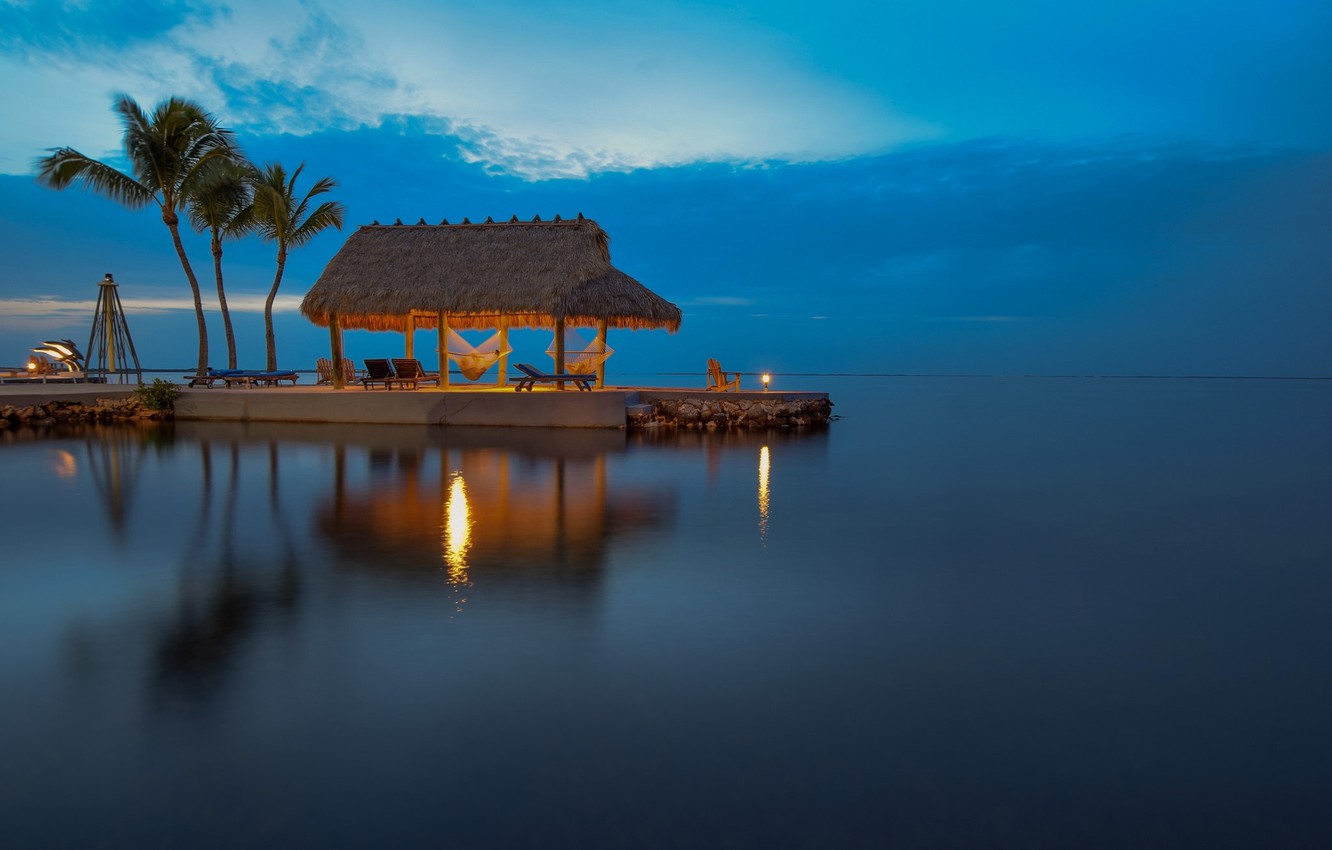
pixel 43 318
pixel 536 91
pixel 570 90
pixel 316 79
pixel 33 29
pixel 41 311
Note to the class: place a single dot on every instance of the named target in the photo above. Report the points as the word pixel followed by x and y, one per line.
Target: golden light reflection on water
pixel 457 530
pixel 65 464
pixel 765 467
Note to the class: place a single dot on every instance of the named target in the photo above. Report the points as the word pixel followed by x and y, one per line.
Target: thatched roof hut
pixel 531 274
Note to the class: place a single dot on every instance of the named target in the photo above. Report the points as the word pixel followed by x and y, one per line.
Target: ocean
pixel 971 612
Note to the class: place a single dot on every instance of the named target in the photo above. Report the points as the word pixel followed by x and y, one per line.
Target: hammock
pixel 474 360
pixel 580 356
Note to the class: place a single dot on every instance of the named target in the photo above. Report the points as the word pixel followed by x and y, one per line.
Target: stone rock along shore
pixel 60 412
pixel 714 413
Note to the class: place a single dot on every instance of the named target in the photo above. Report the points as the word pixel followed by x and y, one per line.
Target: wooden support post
pixel 601 352
pixel 502 379
pixel 409 346
pixel 559 350
pixel 443 350
pixel 335 349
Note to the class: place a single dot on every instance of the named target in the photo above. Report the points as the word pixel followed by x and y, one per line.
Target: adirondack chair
pixel 323 371
pixel 721 381
pixel 350 374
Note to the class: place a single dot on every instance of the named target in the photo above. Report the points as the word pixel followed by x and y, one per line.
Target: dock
pixel 544 407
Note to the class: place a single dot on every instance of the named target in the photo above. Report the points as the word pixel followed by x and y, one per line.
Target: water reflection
pixel 63 464
pixel 465 505
pixel 229 589
pixel 112 457
pixel 457 530
pixel 723 451
pixel 764 467
pixel 1036 622
pixel 254 556
pixel 462 508
pixel 493 509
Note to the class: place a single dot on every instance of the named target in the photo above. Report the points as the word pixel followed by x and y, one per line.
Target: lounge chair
pixel 532 377
pixel 377 371
pixel 407 370
pixel 273 379
pixel 250 378
pixel 720 381
pixel 206 380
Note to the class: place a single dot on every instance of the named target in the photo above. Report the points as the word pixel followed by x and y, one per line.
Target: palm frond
pixel 322 186
pixel 136 123
pixel 169 148
pixel 66 166
pixel 328 214
pixel 325 184
pixel 269 212
pixel 279 217
pixel 242 224
pixel 218 196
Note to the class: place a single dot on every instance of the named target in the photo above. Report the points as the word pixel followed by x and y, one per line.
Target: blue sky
pixel 1005 188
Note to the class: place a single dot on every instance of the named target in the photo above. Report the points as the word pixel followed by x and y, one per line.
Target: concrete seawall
pixel 543 408
pixel 570 409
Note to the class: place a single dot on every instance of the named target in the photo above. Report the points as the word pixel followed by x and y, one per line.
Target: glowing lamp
pixel 766 379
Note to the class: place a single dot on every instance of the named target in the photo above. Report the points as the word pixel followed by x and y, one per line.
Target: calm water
pixel 971 613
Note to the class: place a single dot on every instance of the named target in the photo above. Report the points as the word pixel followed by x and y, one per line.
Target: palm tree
pixel 220 204
pixel 168 151
pixel 280 218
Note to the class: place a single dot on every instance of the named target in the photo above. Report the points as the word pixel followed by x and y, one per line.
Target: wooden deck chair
pixel 206 380
pixel 251 378
pixel 350 374
pixel 720 381
pixel 531 377
pixel 407 370
pixel 377 371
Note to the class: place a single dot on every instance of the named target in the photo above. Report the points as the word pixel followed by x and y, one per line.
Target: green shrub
pixel 159 395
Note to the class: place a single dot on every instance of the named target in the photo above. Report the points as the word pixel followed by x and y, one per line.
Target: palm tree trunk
pixel 222 301
pixel 172 222
pixel 268 311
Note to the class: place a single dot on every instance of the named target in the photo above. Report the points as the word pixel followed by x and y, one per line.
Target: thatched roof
pixel 533 273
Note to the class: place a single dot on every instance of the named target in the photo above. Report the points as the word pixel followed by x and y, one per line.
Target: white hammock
pixel 474 360
pixel 580 356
